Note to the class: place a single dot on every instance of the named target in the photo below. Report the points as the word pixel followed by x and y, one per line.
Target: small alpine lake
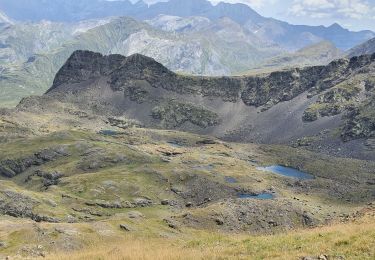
pixel 287 171
pixel 261 196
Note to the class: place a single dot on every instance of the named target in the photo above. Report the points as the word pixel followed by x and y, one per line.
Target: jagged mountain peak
pixel 139 57
pixel 84 65
pixel 336 26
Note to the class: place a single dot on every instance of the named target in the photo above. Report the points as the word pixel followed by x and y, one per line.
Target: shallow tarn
pixel 261 196
pixel 230 179
pixel 287 171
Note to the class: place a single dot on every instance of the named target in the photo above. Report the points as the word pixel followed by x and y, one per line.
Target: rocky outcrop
pixel 20 205
pixel 16 204
pixel 122 122
pixel 136 203
pixel 84 65
pixel 12 167
pixel 333 102
pixel 250 216
pixel 47 178
pixel 174 114
pixel 360 122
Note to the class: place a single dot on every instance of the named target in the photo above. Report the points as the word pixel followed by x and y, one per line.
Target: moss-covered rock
pixel 334 101
pixel 137 91
pixel 174 114
pixel 360 121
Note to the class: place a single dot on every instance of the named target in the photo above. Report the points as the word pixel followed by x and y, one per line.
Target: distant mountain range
pixel 291 37
pixel 315 54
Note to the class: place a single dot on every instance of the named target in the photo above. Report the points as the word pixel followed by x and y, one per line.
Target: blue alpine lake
pixel 287 171
pixel 261 196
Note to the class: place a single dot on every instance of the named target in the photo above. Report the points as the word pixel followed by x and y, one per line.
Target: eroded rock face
pixel 279 86
pixel 175 114
pixel 47 178
pixel 12 167
pixel 333 102
pixel 20 205
pixel 125 72
pixel 16 204
pixel 84 65
pixel 360 121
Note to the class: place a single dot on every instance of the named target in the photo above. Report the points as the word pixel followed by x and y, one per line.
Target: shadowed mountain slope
pixel 362 49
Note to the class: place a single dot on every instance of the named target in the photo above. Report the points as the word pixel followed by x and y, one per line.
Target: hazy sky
pixel 352 14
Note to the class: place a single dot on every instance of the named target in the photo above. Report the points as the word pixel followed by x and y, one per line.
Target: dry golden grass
pixel 355 240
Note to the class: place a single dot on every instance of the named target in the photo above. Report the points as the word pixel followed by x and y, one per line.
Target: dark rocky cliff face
pixel 309 99
pixel 83 65
pixel 254 91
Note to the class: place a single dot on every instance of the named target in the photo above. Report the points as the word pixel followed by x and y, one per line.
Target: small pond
pixel 230 179
pixel 261 196
pixel 287 171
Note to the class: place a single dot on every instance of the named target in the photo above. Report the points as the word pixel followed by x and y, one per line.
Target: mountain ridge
pixel 247 108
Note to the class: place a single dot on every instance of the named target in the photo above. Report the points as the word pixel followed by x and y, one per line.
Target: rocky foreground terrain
pixel 68 180
pixel 122 149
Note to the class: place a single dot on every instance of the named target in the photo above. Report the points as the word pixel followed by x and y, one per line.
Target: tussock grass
pixel 355 240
